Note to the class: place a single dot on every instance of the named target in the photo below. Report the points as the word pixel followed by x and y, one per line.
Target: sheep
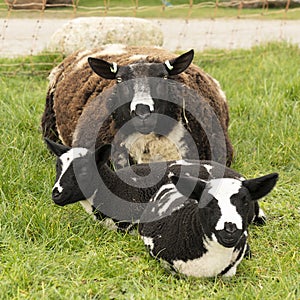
pixel 83 105
pixel 199 227
pixel 84 175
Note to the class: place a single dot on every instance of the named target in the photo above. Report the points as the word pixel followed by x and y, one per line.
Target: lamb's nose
pixel 142 111
pixel 230 227
pixel 56 194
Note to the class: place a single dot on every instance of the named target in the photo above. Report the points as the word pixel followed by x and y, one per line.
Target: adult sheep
pixel 84 109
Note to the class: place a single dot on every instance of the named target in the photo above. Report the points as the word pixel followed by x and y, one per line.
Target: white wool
pixel 212 263
pixel 113 49
pixel 137 57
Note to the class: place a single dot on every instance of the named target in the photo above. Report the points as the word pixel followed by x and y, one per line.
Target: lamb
pixel 185 116
pixel 199 227
pixel 84 175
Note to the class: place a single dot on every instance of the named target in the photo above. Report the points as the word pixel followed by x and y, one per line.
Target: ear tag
pixel 114 68
pixel 169 66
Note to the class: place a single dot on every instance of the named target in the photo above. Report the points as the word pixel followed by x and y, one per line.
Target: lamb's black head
pixel 76 171
pixel 143 87
pixel 224 203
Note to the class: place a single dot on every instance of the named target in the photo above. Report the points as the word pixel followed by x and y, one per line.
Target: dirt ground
pixel 30 36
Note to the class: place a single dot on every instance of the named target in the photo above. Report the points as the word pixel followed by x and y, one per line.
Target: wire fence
pixel 194 19
pixel 135 6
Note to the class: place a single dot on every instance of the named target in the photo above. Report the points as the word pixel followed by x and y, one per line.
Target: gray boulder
pixel 92 32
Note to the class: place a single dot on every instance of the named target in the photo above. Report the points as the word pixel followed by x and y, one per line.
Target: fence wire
pixel 39 12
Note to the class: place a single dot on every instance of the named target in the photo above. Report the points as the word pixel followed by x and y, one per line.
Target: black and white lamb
pixel 199 227
pixel 146 101
pixel 84 175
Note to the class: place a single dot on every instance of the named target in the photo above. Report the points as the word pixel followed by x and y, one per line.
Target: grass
pixel 49 252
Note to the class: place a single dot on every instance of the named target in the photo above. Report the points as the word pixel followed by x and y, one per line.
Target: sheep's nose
pixel 142 111
pixel 230 227
pixel 56 194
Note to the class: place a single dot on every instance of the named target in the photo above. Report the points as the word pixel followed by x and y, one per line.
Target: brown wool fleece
pixel 73 86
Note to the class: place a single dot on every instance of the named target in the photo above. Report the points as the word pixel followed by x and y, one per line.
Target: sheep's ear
pixel 189 186
pixel 102 154
pixel 179 64
pixel 103 68
pixel 55 148
pixel 260 187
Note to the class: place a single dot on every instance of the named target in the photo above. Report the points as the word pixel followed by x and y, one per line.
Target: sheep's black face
pixel 227 208
pixel 77 171
pixel 219 227
pixel 225 203
pixel 223 207
pixel 66 189
pixel 142 89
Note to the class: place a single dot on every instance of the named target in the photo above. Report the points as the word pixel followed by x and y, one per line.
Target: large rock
pixel 92 32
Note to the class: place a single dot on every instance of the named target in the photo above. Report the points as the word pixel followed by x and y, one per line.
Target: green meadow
pixel 51 252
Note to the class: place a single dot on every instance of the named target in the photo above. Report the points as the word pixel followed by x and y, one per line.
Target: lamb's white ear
pixel 189 186
pixel 103 68
pixel 102 154
pixel 56 149
pixel 261 186
pixel 179 64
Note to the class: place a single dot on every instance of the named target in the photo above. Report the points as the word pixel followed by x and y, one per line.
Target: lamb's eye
pixel 119 79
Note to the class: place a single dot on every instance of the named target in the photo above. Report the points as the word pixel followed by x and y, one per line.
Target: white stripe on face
pixel 223 189
pixel 66 160
pixel 142 95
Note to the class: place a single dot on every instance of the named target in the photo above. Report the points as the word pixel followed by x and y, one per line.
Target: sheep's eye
pixel 165 77
pixel 119 79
